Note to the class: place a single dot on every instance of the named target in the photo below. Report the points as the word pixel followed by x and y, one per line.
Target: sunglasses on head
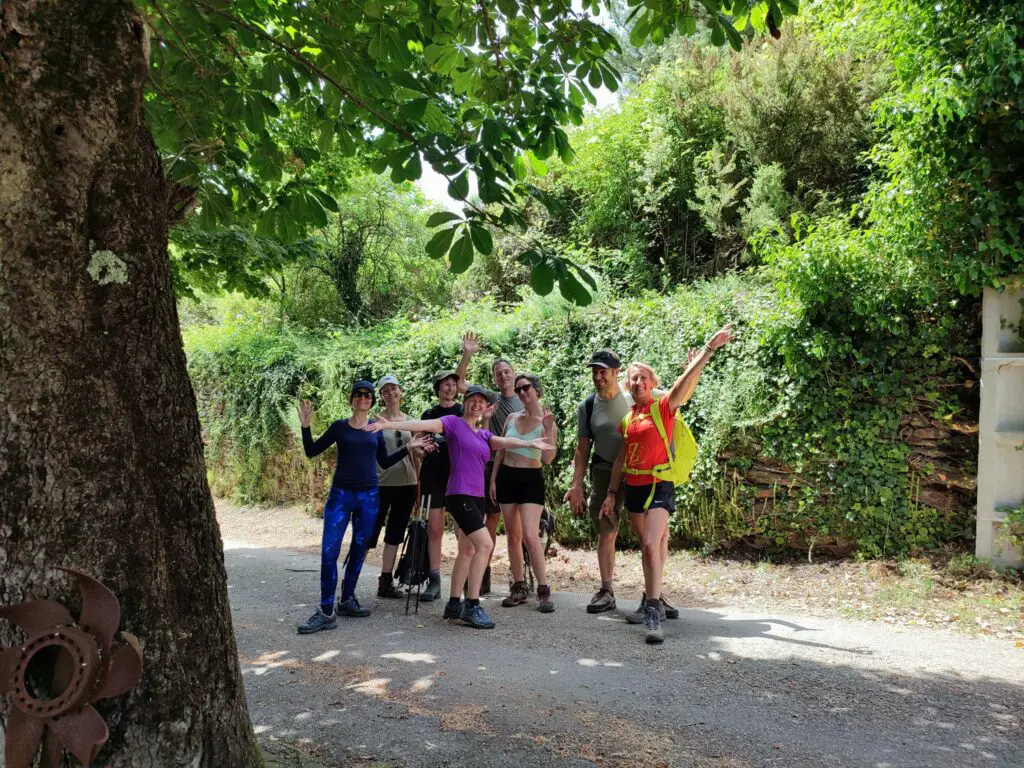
pixel 523 388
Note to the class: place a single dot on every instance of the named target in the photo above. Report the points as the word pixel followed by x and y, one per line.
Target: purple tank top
pixel 469 452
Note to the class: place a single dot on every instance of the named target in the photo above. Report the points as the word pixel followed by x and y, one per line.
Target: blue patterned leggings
pixel 361 507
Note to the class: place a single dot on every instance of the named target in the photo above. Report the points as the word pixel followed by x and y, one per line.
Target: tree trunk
pixel 101 461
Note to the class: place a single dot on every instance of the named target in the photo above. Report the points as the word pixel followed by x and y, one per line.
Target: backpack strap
pixel 660 426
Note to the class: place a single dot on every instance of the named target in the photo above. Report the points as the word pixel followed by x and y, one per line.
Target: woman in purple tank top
pixel 469 449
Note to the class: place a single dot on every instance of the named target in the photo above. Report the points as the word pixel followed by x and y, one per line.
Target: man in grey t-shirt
pixel 505 402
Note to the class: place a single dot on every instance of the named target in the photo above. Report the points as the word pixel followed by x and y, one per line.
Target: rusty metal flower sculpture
pixel 61 668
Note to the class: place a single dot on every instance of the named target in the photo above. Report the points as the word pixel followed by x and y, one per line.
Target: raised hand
pixel 574 498
pixel 548 421
pixel 721 337
pixel 305 413
pixel 470 343
pixel 490 411
pixel 694 351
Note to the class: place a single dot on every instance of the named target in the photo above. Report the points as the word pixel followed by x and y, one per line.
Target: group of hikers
pixel 484 457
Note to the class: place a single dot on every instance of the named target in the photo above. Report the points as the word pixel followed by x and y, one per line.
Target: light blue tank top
pixel 533 434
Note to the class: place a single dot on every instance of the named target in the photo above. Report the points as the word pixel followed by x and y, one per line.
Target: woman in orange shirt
pixel 642 450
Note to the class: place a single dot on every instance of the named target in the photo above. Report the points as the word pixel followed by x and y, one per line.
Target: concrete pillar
pixel 1001 427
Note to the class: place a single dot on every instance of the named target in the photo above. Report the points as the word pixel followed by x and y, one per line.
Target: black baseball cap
pixel 604 358
pixel 476 389
pixel 363 385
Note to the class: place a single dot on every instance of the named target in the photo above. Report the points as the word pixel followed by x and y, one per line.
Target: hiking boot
pixel 603 600
pixel 386 587
pixel 639 616
pixel 668 611
pixel 485 584
pixel 652 624
pixel 452 610
pixel 351 607
pixel 432 592
pixel 544 604
pixel 318 621
pixel 475 616
pixel 516 596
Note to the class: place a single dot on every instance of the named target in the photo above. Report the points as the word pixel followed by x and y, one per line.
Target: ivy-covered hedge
pixel 807 423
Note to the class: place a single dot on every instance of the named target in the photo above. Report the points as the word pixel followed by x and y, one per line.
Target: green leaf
pixel 735 39
pixel 717 33
pixel 461 255
pixel 542 279
pixel 439 244
pixel 573 290
pixel 458 188
pixel 441 217
pixel 481 239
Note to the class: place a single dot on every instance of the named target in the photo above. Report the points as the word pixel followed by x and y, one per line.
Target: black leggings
pixel 396 504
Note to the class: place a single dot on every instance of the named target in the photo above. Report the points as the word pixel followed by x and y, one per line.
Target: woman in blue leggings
pixel 353 496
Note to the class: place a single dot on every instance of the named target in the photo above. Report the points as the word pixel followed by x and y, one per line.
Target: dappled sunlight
pixel 597 663
pixel 422 684
pixel 268 661
pixel 411 658
pixel 377 686
pixel 326 655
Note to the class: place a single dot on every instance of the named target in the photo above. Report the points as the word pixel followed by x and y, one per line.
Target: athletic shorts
pixel 435 486
pixel 396 505
pixel 600 476
pixel 520 485
pixel 664 497
pixel 467 511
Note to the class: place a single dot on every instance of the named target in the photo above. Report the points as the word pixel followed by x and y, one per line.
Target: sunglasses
pixel 362 393
pixel 523 388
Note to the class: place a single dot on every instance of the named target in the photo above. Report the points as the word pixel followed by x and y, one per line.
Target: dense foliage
pixel 842 195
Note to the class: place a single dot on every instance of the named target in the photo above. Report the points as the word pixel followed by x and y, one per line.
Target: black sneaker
pixel 485 584
pixel 317 622
pixel 668 611
pixel 351 607
pixel 452 610
pixel 475 616
pixel 386 587
pixel 603 600
pixel 652 624
pixel 640 614
pixel 432 592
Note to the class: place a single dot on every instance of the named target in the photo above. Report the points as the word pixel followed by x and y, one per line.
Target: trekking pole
pixel 419 566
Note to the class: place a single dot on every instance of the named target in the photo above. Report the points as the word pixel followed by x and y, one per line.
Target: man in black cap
pixel 434 476
pixel 598 419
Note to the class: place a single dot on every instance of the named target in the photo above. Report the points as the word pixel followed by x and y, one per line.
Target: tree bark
pixel 101 461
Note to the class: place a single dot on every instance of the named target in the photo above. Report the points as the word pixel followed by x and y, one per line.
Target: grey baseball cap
pixel 385 380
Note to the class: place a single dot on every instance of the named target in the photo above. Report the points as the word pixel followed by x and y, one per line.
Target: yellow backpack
pixel 681 449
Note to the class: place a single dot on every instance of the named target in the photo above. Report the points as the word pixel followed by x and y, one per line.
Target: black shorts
pixel 664 497
pixel 396 505
pixel 520 485
pixel 467 511
pixel 434 485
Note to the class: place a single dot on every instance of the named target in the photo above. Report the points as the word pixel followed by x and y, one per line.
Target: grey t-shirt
pixel 603 429
pixel 402 473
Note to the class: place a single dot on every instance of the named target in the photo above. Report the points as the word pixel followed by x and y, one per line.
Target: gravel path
pixel 728 687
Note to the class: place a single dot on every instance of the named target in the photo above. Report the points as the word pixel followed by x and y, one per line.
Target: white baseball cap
pixel 385 380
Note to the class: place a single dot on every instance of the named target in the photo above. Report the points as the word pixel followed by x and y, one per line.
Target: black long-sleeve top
pixel 359 453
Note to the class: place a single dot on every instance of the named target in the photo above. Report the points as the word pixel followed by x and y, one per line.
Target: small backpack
pixel 681 448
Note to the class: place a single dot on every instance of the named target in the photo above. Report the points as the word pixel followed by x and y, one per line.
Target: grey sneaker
pixel 317 622
pixel 603 600
pixel 668 611
pixel 639 616
pixel 652 624
pixel 452 610
pixel 475 616
pixel 351 607
pixel 516 596
pixel 432 592
pixel 544 604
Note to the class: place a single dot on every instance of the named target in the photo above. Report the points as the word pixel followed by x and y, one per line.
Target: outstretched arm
pixel 684 386
pixel 498 443
pixel 470 346
pixel 412 425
